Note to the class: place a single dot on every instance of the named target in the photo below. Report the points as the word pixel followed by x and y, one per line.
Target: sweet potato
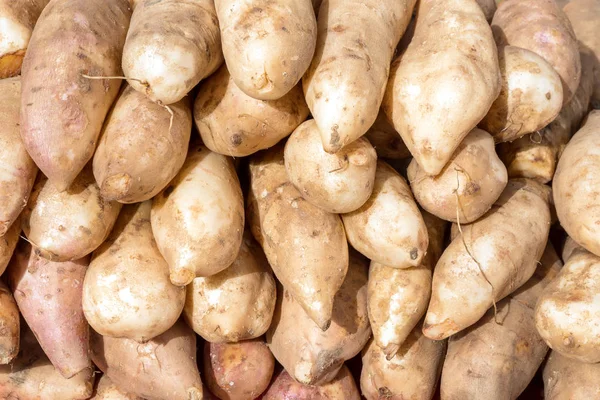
pixel 543 28
pixel 314 357
pixel 498 356
pixel 342 387
pixel 305 246
pixel 387 142
pixel 445 82
pixel 468 185
pixel 530 98
pixel 337 183
pixel 574 186
pixel 388 228
pixel 68 225
pixel 198 220
pixel 10 325
pixel 171 45
pixel 267 45
pixel 235 304
pixel 346 80
pixel 162 368
pixel 18 169
pixel 490 259
pixel 31 376
pixel 8 242
pixel 238 371
pixel 62 111
pixel 142 147
pixel 49 297
pixel 127 292
pixel 232 123
pixel 398 298
pixel 18 19
pixel 565 378
pixel 107 390
pixel 413 373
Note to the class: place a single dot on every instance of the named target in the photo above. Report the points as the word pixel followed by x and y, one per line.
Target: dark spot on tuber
pixel 548 95
pixel 236 139
pixel 414 253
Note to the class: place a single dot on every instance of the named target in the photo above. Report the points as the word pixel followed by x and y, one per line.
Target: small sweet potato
pixel 238 371
pixel 10 325
pixel 566 378
pixel 387 142
pixel 107 390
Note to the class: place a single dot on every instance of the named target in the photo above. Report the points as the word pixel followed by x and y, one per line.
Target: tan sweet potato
pixel 31 376
pixel 171 45
pixel 542 27
pixel 305 246
pixel 68 225
pixel 313 356
pixel 18 19
pixel 530 98
pixel 490 259
pixel 142 147
pixel 342 387
pixel 413 373
pixel 388 228
pixel 267 45
pixel 162 368
pixel 398 298
pixel 238 371
pixel 17 169
pixel 387 142
pixel 235 304
pixel 49 297
pixel 498 356
pixel 468 185
pixel 234 124
pixel 574 186
pixel 445 82
pixel 61 110
pixel 198 220
pixel 107 390
pixel 338 183
pixel 10 325
pixel 8 242
pixel 565 378
pixel 127 292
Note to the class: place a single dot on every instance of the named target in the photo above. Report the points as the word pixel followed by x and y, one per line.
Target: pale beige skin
pixel 305 245
pixel 18 18
pixel 498 356
pixel 441 87
pixel 388 228
pixel 542 27
pixel 127 292
pixel 535 156
pixel 267 45
pixel 488 7
pixel 141 150
pixel 412 374
pixel 162 368
pixel 345 83
pixel 504 247
pixel 171 45
pixel 107 390
pixel 568 379
pixel 62 111
pixel 574 186
pixel 49 297
pixel 566 315
pixel 475 173
pixel 398 298
pixel 65 226
pixel 10 325
pixel 8 242
pixel 530 98
pixel 235 304
pixel 198 220
pixel 584 16
pixel 31 376
pixel 17 169
pixel 342 387
pixel 234 124
pixel 337 183
pixel 238 371
pixel 313 356
pixel 387 142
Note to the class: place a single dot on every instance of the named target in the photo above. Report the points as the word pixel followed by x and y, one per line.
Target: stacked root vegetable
pixel 299 199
